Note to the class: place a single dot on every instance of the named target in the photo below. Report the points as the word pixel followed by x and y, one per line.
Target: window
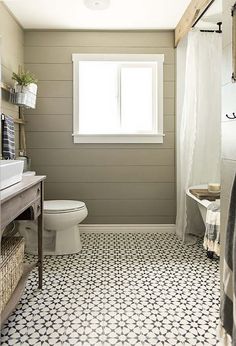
pixel 118 98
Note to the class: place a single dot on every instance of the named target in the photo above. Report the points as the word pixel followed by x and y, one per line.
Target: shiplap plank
pixel 169 89
pixel 64 54
pixel 131 207
pixel 100 38
pixel 169 106
pixel 49 123
pixel 169 123
pixel 49 105
pixel 101 157
pixel 107 174
pixel 109 190
pixel 60 88
pixel 169 72
pixel 53 72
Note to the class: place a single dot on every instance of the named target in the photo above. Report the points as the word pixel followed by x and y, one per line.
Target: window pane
pixel 136 99
pixel 98 111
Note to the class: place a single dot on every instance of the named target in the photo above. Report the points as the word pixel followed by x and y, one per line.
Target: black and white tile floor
pixel 123 289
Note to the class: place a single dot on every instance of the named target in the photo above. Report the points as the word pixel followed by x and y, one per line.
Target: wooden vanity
pixel 24 201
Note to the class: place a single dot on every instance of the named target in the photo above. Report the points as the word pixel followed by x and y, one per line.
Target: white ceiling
pixel 121 14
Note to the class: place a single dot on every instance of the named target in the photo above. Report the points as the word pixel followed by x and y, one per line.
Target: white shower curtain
pixel 198 145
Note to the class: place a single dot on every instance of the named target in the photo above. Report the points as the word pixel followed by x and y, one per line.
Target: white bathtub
pixel 202 204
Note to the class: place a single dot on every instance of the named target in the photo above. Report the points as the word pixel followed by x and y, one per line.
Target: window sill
pixel 153 138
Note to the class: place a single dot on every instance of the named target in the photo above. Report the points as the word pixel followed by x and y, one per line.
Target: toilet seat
pixel 62 206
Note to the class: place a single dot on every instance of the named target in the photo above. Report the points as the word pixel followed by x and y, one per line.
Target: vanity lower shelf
pixel 16 296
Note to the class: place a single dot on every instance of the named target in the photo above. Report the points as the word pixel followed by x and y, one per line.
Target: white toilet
pixel 62 217
pixel 61 228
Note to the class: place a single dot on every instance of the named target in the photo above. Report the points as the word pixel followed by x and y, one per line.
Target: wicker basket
pixel 11 267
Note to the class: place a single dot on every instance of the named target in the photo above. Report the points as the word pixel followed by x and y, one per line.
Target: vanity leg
pixel 40 241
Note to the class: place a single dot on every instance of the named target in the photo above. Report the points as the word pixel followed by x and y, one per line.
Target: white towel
pixel 212 233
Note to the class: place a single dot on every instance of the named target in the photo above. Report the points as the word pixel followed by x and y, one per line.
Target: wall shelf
pixel 5 87
pixel 19 121
pixel 16 121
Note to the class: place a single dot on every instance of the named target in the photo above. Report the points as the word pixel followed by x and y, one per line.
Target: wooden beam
pixel 193 11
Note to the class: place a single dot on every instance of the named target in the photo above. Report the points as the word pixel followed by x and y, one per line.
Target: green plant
pixel 24 78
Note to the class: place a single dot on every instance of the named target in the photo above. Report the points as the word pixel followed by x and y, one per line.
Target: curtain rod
pixel 219 31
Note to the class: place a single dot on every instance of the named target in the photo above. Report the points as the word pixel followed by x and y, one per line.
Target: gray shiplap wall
pixel 12 55
pixel 120 183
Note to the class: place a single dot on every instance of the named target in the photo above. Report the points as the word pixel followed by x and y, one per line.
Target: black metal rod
pixel 219 31
pixel 202 14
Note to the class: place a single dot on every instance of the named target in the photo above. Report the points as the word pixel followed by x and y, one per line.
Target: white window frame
pixel 157 136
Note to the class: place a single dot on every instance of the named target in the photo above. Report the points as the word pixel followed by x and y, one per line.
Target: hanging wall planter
pixel 25 91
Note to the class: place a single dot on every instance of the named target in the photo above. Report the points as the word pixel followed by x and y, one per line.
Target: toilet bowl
pixel 62 218
pixel 61 228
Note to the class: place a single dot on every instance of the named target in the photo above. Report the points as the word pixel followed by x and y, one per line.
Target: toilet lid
pixel 57 206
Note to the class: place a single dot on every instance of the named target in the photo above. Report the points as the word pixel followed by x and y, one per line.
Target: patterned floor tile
pixel 122 289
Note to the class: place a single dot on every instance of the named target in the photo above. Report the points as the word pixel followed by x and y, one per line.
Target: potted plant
pixel 25 90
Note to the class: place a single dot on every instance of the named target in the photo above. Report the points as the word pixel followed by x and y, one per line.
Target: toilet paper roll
pixel 214 187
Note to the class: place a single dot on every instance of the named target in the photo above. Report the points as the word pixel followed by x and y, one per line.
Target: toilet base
pixel 60 242
pixel 66 241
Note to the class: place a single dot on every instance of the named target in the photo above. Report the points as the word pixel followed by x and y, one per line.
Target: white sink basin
pixel 10 172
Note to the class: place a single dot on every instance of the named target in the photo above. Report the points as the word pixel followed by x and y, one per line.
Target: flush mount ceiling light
pixel 97 4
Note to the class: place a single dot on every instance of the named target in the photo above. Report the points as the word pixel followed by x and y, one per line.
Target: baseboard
pixel 128 228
